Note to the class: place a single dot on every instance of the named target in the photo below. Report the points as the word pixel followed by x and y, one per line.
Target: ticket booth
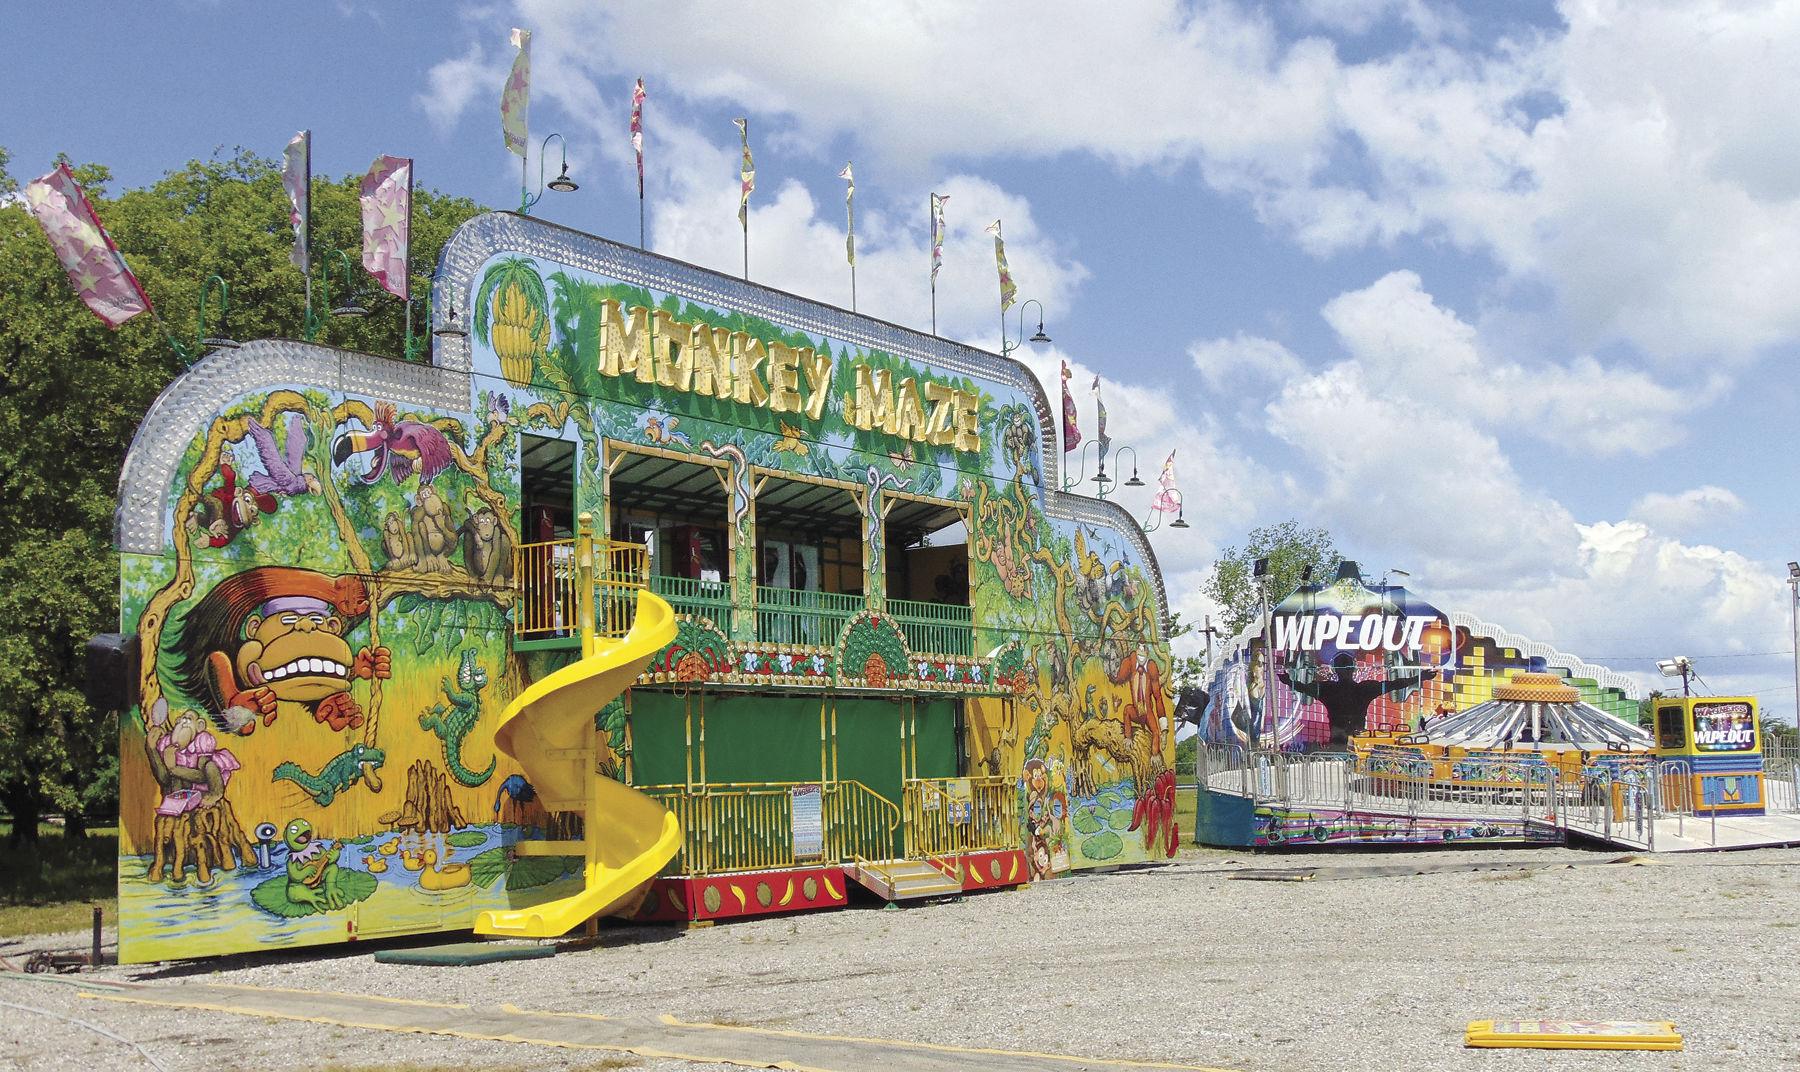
pixel 1720 740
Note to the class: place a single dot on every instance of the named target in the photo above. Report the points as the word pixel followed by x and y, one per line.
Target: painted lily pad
pixel 531 871
pixel 1103 846
pixel 466 839
pixel 271 895
pixel 1119 818
pixel 1086 822
pixel 485 868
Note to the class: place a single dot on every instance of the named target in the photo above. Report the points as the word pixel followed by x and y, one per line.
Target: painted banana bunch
pixel 513 313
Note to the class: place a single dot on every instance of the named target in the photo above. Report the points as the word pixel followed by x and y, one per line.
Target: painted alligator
pixel 453 723
pixel 354 765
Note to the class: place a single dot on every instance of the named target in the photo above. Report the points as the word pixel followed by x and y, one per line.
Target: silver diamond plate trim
pixel 507 232
pixel 187 407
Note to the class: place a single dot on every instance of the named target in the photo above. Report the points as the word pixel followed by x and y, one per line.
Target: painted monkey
pixel 228 509
pixel 487 551
pixel 273 635
pixel 433 531
pixel 397 543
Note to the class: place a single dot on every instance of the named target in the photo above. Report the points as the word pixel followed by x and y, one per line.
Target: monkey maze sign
pixel 653 347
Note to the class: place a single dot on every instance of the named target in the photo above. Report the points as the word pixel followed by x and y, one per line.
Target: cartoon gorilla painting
pixel 274 635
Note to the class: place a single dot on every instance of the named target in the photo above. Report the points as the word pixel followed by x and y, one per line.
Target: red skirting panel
pixel 993 870
pixel 743 894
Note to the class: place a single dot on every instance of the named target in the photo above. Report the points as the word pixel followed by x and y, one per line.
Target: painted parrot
pixel 398 447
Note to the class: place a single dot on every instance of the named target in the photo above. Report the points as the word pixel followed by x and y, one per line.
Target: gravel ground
pixel 1179 963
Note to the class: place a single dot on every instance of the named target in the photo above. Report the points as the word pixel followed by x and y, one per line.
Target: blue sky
pixel 1499 294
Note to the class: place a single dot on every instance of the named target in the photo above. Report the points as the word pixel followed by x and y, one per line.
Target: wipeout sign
pixel 1350 632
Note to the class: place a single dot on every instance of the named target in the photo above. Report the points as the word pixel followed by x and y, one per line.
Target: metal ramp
pixel 904 880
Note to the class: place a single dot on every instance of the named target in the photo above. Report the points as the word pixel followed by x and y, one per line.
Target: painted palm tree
pixel 513 309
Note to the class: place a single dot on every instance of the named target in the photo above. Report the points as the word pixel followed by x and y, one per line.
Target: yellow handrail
pixel 750 826
pixel 550 578
pixel 945 816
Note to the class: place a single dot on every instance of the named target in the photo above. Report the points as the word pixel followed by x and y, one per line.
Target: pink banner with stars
pixel 387 222
pixel 86 251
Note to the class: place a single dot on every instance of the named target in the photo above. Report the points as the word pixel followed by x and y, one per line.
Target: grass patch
pixel 1184 813
pixel 53 885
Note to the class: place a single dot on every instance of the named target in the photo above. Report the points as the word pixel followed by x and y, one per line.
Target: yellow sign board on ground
pixel 1574 1034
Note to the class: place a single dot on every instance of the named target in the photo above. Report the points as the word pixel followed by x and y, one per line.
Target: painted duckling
pixel 447 877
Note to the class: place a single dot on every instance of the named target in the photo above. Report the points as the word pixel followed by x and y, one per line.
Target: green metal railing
pixel 696 598
pixel 934 628
pixel 790 616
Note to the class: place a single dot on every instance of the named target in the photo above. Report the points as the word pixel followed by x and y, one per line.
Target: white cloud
pixel 1415 471
pixel 1630 159
pixel 1687 510
pixel 1408 344
pixel 1243 361
pixel 1390 474
pixel 1361 16
pixel 1640 596
pixel 452 84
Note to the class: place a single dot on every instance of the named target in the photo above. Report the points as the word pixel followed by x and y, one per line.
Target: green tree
pixel 1187 755
pixel 1291 551
pixel 72 393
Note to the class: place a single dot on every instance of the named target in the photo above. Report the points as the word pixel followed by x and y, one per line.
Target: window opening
pixel 809 560
pixel 678 510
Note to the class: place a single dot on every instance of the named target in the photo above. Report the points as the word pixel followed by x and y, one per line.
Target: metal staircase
pixel 906 880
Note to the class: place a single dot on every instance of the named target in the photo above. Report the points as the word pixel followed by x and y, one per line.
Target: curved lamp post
pixel 1007 348
pixel 315 323
pixel 1119 454
pixel 202 341
pixel 1069 484
pixel 1180 521
pixel 562 184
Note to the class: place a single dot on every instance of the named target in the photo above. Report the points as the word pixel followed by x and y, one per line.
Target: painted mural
pixel 1346 658
pixel 329 636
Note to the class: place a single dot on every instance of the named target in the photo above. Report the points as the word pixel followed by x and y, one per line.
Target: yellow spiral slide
pixel 549 729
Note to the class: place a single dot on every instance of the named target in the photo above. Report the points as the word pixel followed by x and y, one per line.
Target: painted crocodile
pixel 357 763
pixel 453 723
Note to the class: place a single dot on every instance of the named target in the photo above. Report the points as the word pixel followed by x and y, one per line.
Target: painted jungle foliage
pixel 329 636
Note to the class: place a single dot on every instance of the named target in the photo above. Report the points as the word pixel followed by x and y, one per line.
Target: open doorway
pixel 678 510
pixel 547 487
pixel 547 521
pixel 809 559
pixel 928 574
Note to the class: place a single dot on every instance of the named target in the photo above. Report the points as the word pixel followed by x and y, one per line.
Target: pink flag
pixel 937 235
pixel 637 130
pixel 515 98
pixel 387 222
pixel 1168 497
pixel 86 251
pixel 296 177
pixel 1071 433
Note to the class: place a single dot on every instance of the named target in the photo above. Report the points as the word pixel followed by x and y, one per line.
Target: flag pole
pixel 640 215
pixel 308 224
pixel 406 264
pixel 931 229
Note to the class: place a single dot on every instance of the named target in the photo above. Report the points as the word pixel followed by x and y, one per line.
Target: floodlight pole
pixel 1794 632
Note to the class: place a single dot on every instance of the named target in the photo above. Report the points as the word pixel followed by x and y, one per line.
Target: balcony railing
pixel 791 616
pixel 552 600
pixel 696 598
pixel 934 628
pixel 752 826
